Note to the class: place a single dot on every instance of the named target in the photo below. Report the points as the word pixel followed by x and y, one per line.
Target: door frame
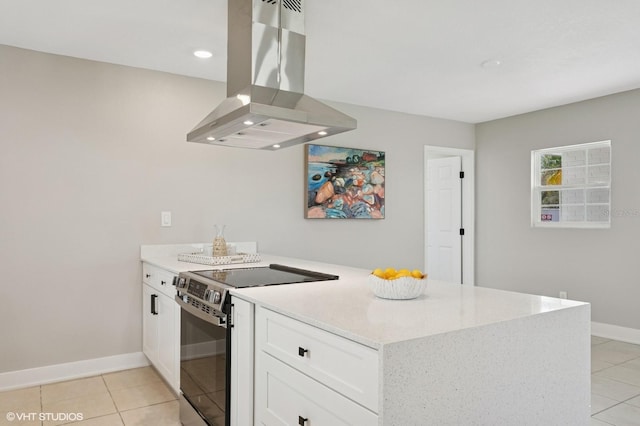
pixel 468 206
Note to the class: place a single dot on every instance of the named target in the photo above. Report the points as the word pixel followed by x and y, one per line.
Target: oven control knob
pixel 216 297
pixel 207 295
pixel 182 282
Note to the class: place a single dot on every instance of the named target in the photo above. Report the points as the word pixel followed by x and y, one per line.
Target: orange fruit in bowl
pixel 378 273
pixel 390 272
pixel 417 273
pixel 403 273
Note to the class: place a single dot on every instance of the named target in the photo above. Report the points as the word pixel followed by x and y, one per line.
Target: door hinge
pixel 461 231
pixel 461 175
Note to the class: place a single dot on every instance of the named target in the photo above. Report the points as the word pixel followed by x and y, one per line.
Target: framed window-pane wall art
pixel 571 186
pixel 344 183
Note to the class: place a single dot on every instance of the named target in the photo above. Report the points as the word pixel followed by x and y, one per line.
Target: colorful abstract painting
pixel 344 183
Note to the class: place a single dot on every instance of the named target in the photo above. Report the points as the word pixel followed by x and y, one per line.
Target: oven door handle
pixel 216 318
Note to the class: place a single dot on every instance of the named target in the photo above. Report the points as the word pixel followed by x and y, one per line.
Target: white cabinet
pixel 149 322
pixel 242 347
pixel 287 397
pixel 161 323
pixel 308 376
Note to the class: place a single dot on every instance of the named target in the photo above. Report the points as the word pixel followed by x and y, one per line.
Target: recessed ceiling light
pixel 322 133
pixel 202 54
pixel 491 63
pixel 248 123
pixel 211 138
pixel 276 146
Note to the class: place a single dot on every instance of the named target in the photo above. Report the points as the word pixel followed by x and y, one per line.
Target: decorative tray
pixel 218 260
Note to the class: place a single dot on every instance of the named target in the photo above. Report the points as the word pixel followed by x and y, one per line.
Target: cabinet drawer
pixel 160 279
pixel 342 364
pixel 287 397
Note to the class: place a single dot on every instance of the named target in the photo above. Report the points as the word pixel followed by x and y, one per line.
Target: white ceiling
pixel 416 56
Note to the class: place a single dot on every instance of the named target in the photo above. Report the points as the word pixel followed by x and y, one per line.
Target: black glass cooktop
pixel 273 274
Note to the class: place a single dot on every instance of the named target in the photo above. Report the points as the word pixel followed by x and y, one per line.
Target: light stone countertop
pixel 348 308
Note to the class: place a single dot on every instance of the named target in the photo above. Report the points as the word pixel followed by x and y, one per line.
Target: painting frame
pixel 344 183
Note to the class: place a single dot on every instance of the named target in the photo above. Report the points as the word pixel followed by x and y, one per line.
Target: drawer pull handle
pixel 148 275
pixel 163 282
pixel 302 421
pixel 301 352
pixel 154 308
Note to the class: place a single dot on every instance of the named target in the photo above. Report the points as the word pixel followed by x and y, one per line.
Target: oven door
pixel 204 367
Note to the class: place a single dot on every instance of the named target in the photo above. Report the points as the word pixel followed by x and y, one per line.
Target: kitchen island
pixel 457 355
pixel 331 352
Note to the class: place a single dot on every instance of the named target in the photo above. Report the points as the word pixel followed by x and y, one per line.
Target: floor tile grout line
pixel 95 417
pixel 111 396
pixel 118 411
pixel 615 379
pixel 608 408
pixel 605 422
pixel 594 373
pixel 74 397
pixel 150 405
pixel 622 402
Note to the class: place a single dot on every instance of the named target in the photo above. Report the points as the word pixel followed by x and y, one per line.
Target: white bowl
pixel 403 288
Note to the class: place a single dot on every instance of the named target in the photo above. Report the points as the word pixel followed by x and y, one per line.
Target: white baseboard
pixel 71 370
pixel 615 332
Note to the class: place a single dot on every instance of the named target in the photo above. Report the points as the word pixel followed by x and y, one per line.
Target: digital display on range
pixel 197 289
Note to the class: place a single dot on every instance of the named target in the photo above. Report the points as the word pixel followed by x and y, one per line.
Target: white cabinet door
pixel 149 323
pixel 161 323
pixel 341 364
pixel 285 396
pixel 168 337
pixel 242 348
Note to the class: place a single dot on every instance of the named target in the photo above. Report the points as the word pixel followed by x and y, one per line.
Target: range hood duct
pixel 266 107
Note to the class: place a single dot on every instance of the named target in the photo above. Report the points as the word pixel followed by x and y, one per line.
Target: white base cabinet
pixel 287 397
pixel 161 323
pixel 242 362
pixel 309 377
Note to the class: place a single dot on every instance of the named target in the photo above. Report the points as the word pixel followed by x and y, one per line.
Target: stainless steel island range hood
pixel 266 107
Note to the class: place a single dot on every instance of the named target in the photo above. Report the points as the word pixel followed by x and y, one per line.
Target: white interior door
pixel 444 219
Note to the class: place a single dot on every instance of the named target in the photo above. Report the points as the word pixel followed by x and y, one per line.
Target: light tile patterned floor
pixel 615 383
pixel 126 398
pixel 139 397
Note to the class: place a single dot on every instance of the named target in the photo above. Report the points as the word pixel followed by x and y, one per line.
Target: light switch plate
pixel 165 218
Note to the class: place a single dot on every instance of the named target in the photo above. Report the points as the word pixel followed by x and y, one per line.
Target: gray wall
pixel 596 266
pixel 92 153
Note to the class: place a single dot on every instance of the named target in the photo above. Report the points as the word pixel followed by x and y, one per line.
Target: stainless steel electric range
pixel 205 338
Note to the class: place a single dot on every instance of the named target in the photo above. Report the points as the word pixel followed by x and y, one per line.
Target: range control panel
pixel 197 289
pixel 212 294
